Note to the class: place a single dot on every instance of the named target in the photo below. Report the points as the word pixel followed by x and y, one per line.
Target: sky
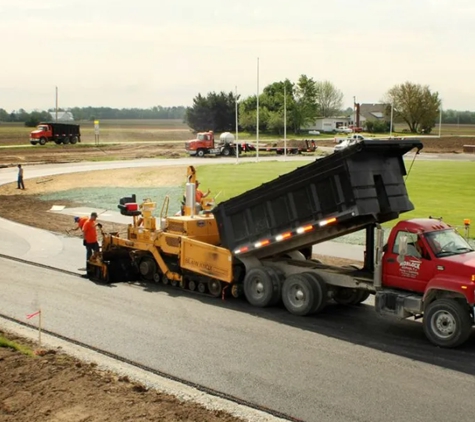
pixel 144 53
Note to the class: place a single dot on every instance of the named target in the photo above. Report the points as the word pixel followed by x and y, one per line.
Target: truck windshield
pixel 41 127
pixel 447 242
pixel 202 137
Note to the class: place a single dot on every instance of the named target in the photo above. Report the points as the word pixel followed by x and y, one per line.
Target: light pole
pixel 440 119
pixel 56 119
pixel 391 124
pixel 285 123
pixel 237 126
pixel 257 114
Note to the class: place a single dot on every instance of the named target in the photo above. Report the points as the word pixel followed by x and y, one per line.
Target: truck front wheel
pixel 447 323
pixel 42 141
pixel 200 153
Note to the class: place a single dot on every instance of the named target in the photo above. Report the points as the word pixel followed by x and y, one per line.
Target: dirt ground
pixel 54 387
pixel 74 153
pixel 58 388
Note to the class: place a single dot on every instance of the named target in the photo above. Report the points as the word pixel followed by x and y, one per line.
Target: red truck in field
pixel 205 144
pixel 59 133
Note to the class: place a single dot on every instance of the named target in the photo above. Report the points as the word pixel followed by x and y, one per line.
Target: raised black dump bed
pixel 333 196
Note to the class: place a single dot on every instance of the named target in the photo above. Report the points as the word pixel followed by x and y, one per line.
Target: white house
pixel 63 116
pixel 328 124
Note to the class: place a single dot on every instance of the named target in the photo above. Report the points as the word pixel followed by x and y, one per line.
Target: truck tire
pixel 347 296
pixel 33 143
pixel 42 141
pixel 320 290
pixel 66 141
pixel 57 142
pixel 200 153
pixel 74 140
pixel 447 323
pixel 300 294
pixel 226 152
pixel 262 287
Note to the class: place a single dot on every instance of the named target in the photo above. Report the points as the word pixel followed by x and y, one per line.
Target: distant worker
pixel 80 223
pixel 90 236
pixel 199 194
pixel 21 185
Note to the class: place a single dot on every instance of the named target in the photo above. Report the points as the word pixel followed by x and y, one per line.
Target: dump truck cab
pixel 200 146
pixel 434 250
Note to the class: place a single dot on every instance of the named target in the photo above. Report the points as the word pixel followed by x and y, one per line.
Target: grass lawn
pixel 436 188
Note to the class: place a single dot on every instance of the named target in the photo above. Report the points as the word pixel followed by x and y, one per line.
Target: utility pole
pixel 257 114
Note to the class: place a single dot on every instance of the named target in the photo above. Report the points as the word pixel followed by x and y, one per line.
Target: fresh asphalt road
pixel 345 364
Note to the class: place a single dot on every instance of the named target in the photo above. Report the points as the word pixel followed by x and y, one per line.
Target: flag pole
pixel 40 324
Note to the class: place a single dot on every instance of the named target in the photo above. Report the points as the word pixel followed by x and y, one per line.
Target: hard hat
pixel 76 219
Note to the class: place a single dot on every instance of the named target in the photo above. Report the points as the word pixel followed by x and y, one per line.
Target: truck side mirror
pixel 402 249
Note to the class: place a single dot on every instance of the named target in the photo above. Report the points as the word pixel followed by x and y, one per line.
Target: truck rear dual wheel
pixel 304 294
pixel 447 323
pixel 74 140
pixel 262 286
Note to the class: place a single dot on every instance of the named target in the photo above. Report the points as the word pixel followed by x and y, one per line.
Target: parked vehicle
pixel 343 129
pixel 259 244
pixel 343 143
pixel 313 132
pixel 356 129
pixel 204 144
pixel 59 133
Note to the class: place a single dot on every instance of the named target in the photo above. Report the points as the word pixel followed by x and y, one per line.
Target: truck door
pixel 415 271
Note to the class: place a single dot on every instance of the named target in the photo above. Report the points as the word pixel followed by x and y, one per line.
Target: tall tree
pixel 416 105
pixel 215 112
pixel 329 99
pixel 305 102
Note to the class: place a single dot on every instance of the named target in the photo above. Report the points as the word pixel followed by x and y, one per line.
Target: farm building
pixel 63 116
pixel 328 124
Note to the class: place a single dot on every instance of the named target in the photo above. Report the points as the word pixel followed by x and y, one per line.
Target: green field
pixel 436 188
pixel 170 130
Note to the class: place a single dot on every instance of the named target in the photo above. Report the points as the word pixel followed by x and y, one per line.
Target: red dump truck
pixel 59 133
pixel 259 244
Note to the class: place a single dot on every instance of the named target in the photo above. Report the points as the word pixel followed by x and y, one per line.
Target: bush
pixel 377 126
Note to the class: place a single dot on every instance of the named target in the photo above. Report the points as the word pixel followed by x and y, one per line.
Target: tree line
pixel 93 113
pixel 307 99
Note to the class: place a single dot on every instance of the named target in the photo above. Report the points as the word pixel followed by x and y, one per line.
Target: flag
pixel 29 316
